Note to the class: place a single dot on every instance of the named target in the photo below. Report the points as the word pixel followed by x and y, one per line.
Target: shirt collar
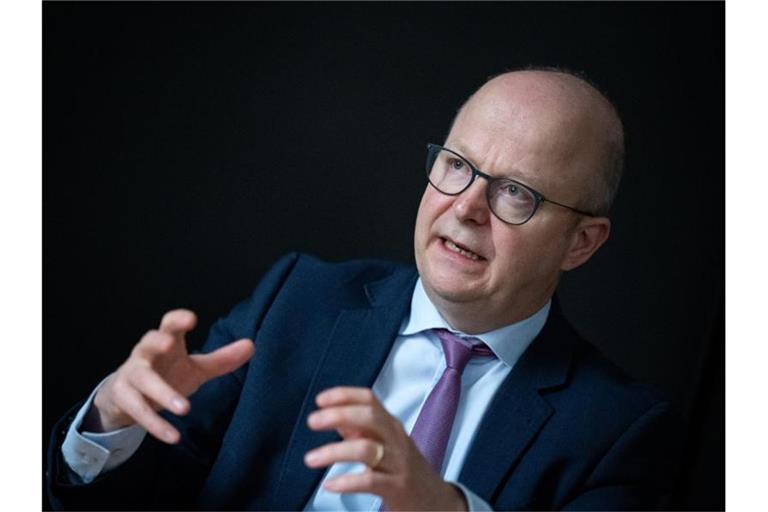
pixel 508 343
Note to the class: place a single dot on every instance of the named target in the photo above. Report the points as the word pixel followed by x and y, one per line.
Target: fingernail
pixel 331 485
pixel 178 404
pixel 170 435
pixel 310 457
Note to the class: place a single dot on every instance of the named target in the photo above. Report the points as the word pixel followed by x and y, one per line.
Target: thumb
pixel 224 360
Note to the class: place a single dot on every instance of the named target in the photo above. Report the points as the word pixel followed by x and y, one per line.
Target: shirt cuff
pixel 474 502
pixel 89 454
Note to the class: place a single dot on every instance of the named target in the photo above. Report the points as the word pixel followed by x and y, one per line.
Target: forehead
pixel 522 134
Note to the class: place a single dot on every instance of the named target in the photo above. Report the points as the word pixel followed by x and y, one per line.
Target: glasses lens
pixel 447 172
pixel 511 201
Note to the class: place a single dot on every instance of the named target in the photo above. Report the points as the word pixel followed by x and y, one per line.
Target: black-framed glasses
pixel 509 200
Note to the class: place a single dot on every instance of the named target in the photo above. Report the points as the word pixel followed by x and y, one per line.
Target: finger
pixel 153 343
pixel 346 395
pixel 351 417
pixel 371 482
pixel 156 389
pixel 224 360
pixel 350 433
pixel 134 405
pixel 359 450
pixel 178 321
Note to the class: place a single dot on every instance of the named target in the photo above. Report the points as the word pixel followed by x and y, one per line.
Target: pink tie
pixel 433 426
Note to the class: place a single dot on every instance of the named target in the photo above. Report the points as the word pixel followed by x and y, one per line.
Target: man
pixel 363 390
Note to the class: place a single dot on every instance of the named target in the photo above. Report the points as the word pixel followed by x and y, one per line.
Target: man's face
pixel 514 269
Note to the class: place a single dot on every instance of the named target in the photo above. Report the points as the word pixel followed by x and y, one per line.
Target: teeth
pixel 455 248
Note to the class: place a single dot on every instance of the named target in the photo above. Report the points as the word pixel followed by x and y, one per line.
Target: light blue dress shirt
pixel 412 369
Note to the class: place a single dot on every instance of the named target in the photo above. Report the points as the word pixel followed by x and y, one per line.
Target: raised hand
pixel 161 374
pixel 396 469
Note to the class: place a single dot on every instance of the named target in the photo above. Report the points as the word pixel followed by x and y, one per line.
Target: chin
pixel 448 280
pixel 451 288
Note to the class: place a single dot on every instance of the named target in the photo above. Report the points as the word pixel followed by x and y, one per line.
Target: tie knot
pixel 458 351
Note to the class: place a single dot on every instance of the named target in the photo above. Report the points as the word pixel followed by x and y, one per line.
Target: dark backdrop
pixel 188 145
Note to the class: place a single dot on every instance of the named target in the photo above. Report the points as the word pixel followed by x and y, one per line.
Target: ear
pixel 587 237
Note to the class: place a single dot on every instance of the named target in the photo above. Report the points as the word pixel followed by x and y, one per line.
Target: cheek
pixel 422 223
pixel 432 205
pixel 421 230
pixel 528 254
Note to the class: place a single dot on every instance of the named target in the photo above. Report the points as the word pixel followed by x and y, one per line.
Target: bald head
pixel 560 114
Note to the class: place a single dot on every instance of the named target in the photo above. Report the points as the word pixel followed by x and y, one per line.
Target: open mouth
pixel 458 249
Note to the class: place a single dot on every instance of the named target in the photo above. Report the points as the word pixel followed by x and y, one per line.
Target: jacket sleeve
pixel 161 476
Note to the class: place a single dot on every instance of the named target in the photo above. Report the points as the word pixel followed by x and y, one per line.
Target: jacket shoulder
pixel 601 378
pixel 345 281
pixel 306 281
pixel 363 270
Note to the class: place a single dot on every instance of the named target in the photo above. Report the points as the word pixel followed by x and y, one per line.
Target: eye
pixel 510 189
pixel 456 164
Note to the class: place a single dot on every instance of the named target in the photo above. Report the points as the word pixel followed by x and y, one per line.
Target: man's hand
pixel 160 374
pixel 401 476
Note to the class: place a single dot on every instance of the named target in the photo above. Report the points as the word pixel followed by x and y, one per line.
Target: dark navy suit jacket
pixel 566 429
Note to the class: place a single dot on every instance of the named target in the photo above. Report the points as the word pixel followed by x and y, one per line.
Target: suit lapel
pixel 356 350
pixel 518 411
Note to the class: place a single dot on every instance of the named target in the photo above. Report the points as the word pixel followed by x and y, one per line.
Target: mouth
pixel 460 249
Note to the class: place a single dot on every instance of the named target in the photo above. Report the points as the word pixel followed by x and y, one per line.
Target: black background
pixel 188 145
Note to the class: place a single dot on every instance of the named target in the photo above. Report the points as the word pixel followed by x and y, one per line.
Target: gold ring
pixel 379 455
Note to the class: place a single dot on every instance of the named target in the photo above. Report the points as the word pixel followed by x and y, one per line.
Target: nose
pixel 471 205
